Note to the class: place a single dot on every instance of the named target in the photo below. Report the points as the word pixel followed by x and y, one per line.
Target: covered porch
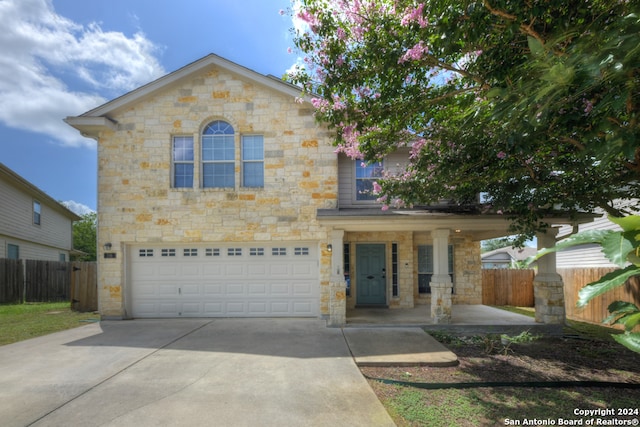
pixel 425 269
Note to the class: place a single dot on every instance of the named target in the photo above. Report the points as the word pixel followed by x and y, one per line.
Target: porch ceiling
pixel 479 226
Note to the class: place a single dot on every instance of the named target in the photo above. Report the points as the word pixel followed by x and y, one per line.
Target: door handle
pixel 370 277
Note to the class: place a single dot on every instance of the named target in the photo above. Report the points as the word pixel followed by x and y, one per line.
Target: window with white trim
pixel 366 175
pixel 218 155
pixel 182 162
pixel 37 211
pixel 252 161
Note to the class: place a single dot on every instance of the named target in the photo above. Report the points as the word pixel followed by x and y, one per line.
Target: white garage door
pixel 275 280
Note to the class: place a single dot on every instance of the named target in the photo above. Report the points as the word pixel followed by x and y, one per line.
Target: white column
pixel 441 285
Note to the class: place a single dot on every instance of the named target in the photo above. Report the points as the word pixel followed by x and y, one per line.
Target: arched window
pixel 218 155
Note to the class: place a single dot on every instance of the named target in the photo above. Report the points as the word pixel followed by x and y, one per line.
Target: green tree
pixel 526 108
pixel 532 104
pixel 85 237
pixel 498 243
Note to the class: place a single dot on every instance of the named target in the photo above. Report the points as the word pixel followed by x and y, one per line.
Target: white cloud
pixel 41 49
pixel 77 208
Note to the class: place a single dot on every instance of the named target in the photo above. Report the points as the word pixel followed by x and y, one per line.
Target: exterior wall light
pixel 329 248
pixel 107 246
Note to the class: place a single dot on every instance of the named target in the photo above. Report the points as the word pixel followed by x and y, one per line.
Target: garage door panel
pixel 220 281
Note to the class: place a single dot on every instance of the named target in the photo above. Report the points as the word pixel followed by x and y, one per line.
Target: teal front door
pixel 371 276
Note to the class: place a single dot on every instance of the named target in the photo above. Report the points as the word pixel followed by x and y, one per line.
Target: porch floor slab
pixel 396 347
pixel 465 319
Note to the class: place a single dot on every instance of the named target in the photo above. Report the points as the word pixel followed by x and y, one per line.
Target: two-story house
pixel 220 195
pixel 32 224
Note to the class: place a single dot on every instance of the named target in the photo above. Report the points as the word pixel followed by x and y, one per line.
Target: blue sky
pixel 64 57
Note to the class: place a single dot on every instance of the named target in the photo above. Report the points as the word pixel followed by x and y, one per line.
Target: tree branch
pixel 526 29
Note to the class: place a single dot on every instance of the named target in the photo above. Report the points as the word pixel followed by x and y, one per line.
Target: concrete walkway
pixel 180 372
pixel 397 347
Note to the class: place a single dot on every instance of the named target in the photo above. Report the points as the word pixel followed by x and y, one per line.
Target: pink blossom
pixel 502 155
pixel 416 147
pixel 289 50
pixel 414 15
pixel 376 188
pixel 416 53
pixel 385 208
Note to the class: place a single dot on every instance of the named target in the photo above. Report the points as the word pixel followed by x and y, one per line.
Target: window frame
pixel 358 192
pixel 10 250
pixel 175 162
pixel 220 135
pixel 245 162
pixel 428 273
pixel 37 213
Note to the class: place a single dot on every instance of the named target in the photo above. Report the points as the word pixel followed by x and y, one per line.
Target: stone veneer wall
pixel 467 269
pixel 137 204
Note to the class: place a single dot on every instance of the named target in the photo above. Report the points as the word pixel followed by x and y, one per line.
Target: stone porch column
pixel 548 288
pixel 337 284
pixel 441 285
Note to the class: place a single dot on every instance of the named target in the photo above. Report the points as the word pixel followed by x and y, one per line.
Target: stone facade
pixel 138 205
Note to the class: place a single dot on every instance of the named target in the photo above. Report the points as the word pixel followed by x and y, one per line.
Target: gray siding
pixel 395 162
pixel 586 255
pixel 16 221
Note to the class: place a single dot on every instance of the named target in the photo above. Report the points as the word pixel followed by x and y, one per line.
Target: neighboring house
pixel 508 257
pixel 589 255
pixel 32 224
pixel 220 195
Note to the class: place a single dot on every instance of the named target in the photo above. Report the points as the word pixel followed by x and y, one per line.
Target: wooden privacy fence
pixel 11 281
pixel 515 287
pixel 507 287
pixel 43 281
pixel 596 310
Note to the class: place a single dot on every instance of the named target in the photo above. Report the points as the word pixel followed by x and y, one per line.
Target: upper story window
pixel 252 161
pixel 218 155
pixel 37 210
pixel 366 175
pixel 183 162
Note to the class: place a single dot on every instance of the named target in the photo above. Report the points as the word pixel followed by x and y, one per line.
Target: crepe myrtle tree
pixel 531 104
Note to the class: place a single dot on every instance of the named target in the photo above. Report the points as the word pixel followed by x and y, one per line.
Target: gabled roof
pixel 100 117
pixel 27 187
pixel 515 254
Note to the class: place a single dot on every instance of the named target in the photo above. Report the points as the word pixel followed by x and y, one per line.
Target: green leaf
pixel 616 246
pixel 535 46
pixel 589 236
pixel 631 321
pixel 622 307
pixel 605 284
pixel 619 311
pixel 629 340
pixel 628 223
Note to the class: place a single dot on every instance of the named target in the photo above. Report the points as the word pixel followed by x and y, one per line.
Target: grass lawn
pixel 23 321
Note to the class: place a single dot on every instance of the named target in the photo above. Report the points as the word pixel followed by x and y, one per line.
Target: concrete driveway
pixel 182 372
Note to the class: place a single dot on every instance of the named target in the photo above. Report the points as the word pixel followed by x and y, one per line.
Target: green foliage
pixel 492 244
pixel 620 247
pixel 85 237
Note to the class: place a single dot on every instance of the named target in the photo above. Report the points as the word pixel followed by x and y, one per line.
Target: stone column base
pixel 440 302
pixel 337 304
pixel 549 301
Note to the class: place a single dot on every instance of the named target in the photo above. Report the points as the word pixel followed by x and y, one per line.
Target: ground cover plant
pixel 585 353
pixel 23 321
